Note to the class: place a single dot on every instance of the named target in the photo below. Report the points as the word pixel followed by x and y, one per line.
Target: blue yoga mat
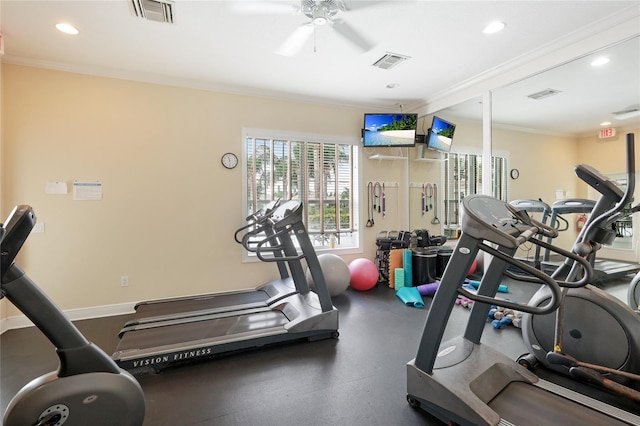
pixel 410 296
pixel 406 263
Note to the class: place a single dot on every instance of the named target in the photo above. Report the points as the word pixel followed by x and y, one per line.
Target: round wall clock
pixel 229 160
pixel 515 174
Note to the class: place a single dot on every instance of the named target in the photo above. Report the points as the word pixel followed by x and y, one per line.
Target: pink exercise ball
pixel 364 274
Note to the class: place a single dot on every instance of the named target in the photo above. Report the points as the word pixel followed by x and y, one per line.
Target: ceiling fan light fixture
pixel 319 21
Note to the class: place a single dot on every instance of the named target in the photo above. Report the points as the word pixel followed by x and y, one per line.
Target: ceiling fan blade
pixel 296 40
pixel 263 7
pixel 347 31
pixel 346 5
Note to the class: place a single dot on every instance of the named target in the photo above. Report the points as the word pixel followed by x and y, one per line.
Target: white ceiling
pixel 213 46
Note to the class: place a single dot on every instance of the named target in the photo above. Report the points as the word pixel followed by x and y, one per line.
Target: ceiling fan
pixel 322 13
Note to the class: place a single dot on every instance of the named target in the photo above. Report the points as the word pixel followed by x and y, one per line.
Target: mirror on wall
pixel 565 103
pixel 577 100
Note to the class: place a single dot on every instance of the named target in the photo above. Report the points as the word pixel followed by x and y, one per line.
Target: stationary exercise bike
pixel 88 388
pixel 591 326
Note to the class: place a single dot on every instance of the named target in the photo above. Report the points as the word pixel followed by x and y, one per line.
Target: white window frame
pixel 357 215
pixel 450 229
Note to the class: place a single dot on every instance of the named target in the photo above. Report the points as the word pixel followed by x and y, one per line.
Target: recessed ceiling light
pixel 67 29
pixel 605 123
pixel 598 62
pixel 494 27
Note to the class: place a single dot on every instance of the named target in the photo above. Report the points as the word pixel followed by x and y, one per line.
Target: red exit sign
pixel 607 133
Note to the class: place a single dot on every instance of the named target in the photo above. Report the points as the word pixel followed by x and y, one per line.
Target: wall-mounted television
pixel 389 130
pixel 440 135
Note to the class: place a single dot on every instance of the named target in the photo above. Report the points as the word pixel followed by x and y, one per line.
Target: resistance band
pixel 435 219
pixel 384 202
pixel 377 192
pixel 369 205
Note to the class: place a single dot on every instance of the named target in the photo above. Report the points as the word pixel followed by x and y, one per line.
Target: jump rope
pixel 376 201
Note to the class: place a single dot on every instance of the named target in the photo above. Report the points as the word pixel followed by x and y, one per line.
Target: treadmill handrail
pixel 587 267
pixel 260 249
pixel 552 304
pixel 246 238
pixel 256 218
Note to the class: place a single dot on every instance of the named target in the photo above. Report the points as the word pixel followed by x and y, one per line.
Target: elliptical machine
pixel 590 326
pixel 88 388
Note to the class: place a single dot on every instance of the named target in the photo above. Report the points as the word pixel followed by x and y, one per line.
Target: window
pixel 320 171
pixel 463 176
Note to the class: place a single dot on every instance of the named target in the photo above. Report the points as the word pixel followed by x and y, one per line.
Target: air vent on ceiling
pixel 390 60
pixel 544 94
pixel 629 112
pixel 159 11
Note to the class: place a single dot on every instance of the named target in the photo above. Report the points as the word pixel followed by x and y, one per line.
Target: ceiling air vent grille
pixel 629 112
pixel 544 94
pixel 159 11
pixel 390 60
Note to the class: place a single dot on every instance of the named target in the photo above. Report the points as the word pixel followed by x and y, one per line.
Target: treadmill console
pixel 487 218
pixel 287 213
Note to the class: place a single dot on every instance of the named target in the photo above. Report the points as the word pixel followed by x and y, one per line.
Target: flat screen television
pixel 440 135
pixel 389 130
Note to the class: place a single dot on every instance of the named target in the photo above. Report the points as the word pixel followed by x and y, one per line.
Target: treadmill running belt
pixel 514 404
pixel 200 303
pixel 188 333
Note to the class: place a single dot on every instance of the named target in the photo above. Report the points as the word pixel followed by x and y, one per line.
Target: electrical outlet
pixel 124 281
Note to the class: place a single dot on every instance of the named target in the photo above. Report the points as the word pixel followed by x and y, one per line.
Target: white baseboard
pixel 21 321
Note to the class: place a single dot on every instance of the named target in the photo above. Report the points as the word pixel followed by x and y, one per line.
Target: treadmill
pixel 465 382
pixel 605 270
pixel 302 315
pixel 183 307
pixel 534 206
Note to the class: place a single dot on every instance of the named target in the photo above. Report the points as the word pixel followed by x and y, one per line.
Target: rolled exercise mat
pixel 410 297
pixel 395 261
pixel 428 289
pixel 406 264
pixel 398 274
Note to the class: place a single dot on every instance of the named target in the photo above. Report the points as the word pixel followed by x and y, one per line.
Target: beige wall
pixel 169 208
pixel 607 155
